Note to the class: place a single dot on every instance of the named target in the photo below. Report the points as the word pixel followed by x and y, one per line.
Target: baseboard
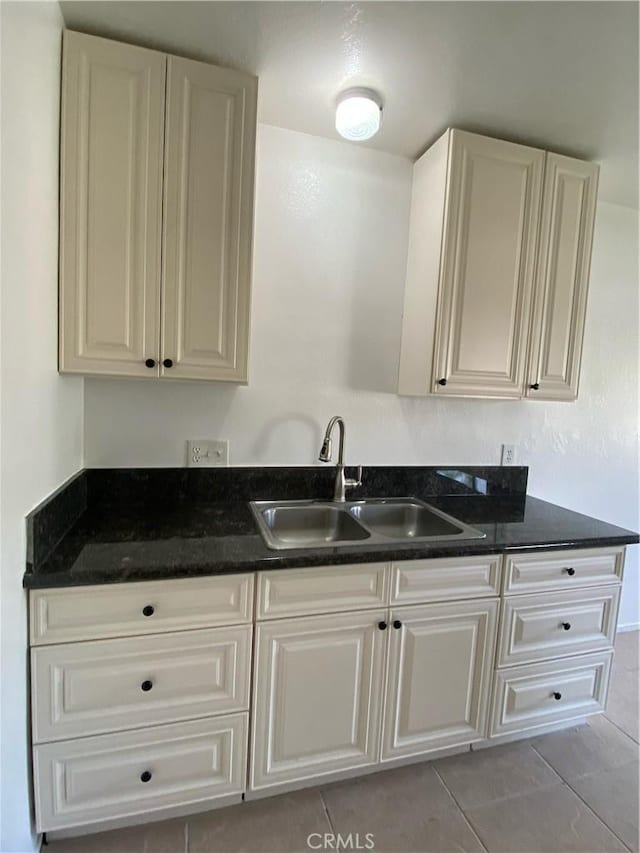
pixel 629 626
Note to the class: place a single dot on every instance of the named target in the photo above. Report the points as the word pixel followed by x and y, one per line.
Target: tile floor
pixel 575 790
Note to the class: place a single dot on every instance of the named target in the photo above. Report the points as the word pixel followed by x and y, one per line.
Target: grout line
pixel 460 809
pixel 620 729
pixel 186 836
pixel 326 811
pixel 597 817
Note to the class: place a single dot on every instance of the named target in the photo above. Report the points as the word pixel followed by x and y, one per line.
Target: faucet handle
pixel 353 483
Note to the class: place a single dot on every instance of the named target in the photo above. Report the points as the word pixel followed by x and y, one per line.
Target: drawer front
pixel 416 581
pixel 328 589
pixel 81 689
pixel 526 697
pixel 558 570
pixel 127 609
pixel 537 627
pixel 82 781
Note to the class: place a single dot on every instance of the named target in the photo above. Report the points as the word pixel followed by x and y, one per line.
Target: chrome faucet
pixel 342 482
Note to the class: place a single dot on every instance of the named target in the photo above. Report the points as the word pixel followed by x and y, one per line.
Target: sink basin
pixel 327 524
pixel 405 520
pixel 309 526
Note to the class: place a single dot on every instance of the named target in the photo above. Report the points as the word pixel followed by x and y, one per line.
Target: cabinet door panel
pixel 112 128
pixel 438 677
pixel 316 706
pixel 568 213
pixel 487 266
pixel 208 202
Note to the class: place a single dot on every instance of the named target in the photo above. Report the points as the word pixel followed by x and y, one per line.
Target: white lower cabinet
pixel 128 774
pixel 438 676
pixel 317 696
pixel 530 697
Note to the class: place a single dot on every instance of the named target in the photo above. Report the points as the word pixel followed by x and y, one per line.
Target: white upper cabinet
pixel 112 130
pixel 568 211
pixel 208 202
pixel 497 274
pixel 155 168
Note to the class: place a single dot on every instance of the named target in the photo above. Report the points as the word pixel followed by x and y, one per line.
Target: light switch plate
pixel 207 453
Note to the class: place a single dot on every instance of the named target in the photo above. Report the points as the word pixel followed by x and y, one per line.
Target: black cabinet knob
pixel 397 624
pixel 442 381
pixel 571 572
pixel 145 777
pixel 382 626
pixel 167 362
pixel 535 386
pixel 566 626
pixel 146 685
pixel 147 610
pixel 150 362
pixel 557 696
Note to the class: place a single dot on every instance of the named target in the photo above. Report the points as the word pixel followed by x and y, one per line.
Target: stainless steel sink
pixel 405 520
pixel 308 526
pixel 329 524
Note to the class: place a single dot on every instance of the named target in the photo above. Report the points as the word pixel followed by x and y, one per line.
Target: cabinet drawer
pixel 526 697
pixel 557 570
pixel 415 581
pixel 112 610
pixel 536 627
pixel 328 589
pixel 99 778
pixel 81 689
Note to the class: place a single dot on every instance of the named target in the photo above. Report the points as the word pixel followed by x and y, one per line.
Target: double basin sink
pixel 327 524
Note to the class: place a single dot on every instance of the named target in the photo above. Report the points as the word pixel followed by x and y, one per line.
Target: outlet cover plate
pixel 207 453
pixel 508 454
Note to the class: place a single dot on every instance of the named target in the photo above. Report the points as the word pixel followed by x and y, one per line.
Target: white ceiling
pixel 560 75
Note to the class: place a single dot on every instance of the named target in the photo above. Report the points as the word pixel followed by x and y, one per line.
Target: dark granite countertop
pixel 114 544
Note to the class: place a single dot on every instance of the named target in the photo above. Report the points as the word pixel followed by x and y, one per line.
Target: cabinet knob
pixel 148 610
pixel 442 381
pixel 150 362
pixel 557 696
pixel 382 626
pixel 570 571
pixel 146 776
pixel 146 685
pixel 167 362
pixel 397 624
pixel 535 386
pixel 566 626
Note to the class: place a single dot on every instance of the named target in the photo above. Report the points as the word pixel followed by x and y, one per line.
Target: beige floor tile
pixel 280 824
pixel 627 652
pixel 163 837
pixel 613 796
pixel 623 706
pixel 550 820
pixel 586 749
pixel 490 774
pixel 406 810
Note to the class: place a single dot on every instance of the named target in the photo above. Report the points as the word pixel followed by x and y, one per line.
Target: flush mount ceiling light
pixel 358 114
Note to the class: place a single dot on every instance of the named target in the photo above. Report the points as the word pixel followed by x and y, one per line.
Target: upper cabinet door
pixel 208 216
pixel 112 128
pixel 487 266
pixel 568 212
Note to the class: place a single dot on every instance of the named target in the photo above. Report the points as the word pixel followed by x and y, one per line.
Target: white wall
pixel 41 414
pixel 330 249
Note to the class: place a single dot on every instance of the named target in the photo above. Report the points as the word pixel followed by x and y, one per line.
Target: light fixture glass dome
pixel 358 114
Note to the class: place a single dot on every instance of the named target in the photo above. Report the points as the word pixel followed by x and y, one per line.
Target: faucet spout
pixel 342 482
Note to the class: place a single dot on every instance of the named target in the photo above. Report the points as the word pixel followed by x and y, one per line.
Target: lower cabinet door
pixel 84 781
pixel 438 676
pixel 528 697
pixel 317 696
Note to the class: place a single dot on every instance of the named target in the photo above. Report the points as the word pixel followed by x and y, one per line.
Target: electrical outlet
pixel 207 453
pixel 508 454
